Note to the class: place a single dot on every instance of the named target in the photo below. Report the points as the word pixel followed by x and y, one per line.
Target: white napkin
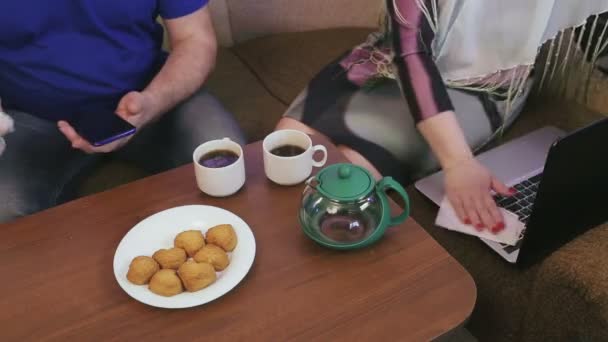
pixel 448 219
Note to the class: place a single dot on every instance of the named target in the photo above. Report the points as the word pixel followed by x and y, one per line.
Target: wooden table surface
pixel 57 281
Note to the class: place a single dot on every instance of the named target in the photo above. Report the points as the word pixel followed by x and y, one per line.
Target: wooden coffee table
pixel 57 280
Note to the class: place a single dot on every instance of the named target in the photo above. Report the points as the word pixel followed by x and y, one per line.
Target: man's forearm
pixel 185 71
pixel 445 136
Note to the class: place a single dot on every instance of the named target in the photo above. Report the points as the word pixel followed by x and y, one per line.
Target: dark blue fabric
pixel 65 57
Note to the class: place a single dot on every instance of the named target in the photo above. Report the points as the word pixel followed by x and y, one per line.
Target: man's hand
pixel 80 143
pixel 135 107
pixel 192 57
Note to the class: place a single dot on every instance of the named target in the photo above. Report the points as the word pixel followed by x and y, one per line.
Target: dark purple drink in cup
pixel 218 158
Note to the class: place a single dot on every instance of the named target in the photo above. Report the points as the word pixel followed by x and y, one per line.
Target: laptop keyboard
pixel 521 205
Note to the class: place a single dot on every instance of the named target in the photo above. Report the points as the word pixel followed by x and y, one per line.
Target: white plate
pixel 159 230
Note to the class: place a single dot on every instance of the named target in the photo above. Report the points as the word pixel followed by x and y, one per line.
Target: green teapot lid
pixel 345 182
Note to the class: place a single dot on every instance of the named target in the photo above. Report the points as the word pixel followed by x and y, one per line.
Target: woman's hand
pixel 468 185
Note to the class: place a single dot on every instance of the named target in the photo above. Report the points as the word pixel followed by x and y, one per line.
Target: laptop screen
pixel 573 193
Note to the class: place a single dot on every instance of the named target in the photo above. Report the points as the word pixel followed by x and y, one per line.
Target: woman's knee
pixel 289 123
pixel 358 159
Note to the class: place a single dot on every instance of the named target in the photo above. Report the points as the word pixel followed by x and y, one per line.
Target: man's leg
pixel 37 167
pixel 169 142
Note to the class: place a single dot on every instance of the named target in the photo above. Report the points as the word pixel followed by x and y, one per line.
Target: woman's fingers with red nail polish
pixel 499 227
pixel 458 208
pixel 471 212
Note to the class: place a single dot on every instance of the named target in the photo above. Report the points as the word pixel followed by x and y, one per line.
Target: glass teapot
pixel 344 208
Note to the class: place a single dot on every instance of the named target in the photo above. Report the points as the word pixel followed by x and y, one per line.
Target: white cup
pixel 293 169
pixel 221 181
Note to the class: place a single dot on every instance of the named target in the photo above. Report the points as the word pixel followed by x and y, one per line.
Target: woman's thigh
pixel 377 123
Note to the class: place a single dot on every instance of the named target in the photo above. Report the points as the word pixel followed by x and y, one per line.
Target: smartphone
pixel 102 128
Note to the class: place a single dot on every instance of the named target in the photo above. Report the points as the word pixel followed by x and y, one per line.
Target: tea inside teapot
pixel 347 226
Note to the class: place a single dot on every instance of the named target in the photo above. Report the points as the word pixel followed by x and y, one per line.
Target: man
pixel 64 59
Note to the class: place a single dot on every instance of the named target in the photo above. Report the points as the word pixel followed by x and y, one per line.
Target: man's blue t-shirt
pixel 59 58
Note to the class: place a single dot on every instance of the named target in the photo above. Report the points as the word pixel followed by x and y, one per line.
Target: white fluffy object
pixel 6 126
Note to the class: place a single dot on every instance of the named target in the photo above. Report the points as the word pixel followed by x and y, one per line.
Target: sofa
pixel 270 49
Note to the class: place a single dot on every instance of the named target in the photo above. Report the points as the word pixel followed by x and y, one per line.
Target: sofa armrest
pixel 569 300
pixel 541 111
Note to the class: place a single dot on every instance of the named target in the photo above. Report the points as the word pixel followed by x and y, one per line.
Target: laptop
pixel 562 183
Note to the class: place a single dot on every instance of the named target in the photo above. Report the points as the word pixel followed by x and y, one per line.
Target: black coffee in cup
pixel 287 151
pixel 218 158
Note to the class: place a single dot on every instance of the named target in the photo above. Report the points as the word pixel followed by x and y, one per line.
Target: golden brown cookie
pixel 213 255
pixel 141 269
pixel 222 236
pixel 166 283
pixel 196 276
pixel 190 241
pixel 170 258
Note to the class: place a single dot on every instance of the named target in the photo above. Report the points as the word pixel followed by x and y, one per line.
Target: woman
pixel 464 69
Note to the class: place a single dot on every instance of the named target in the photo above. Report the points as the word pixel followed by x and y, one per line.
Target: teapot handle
pixel 385 184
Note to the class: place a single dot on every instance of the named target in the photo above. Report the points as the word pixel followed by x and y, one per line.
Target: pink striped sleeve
pixel 421 82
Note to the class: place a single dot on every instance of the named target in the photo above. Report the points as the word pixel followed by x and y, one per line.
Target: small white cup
pixel 294 169
pixel 221 181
